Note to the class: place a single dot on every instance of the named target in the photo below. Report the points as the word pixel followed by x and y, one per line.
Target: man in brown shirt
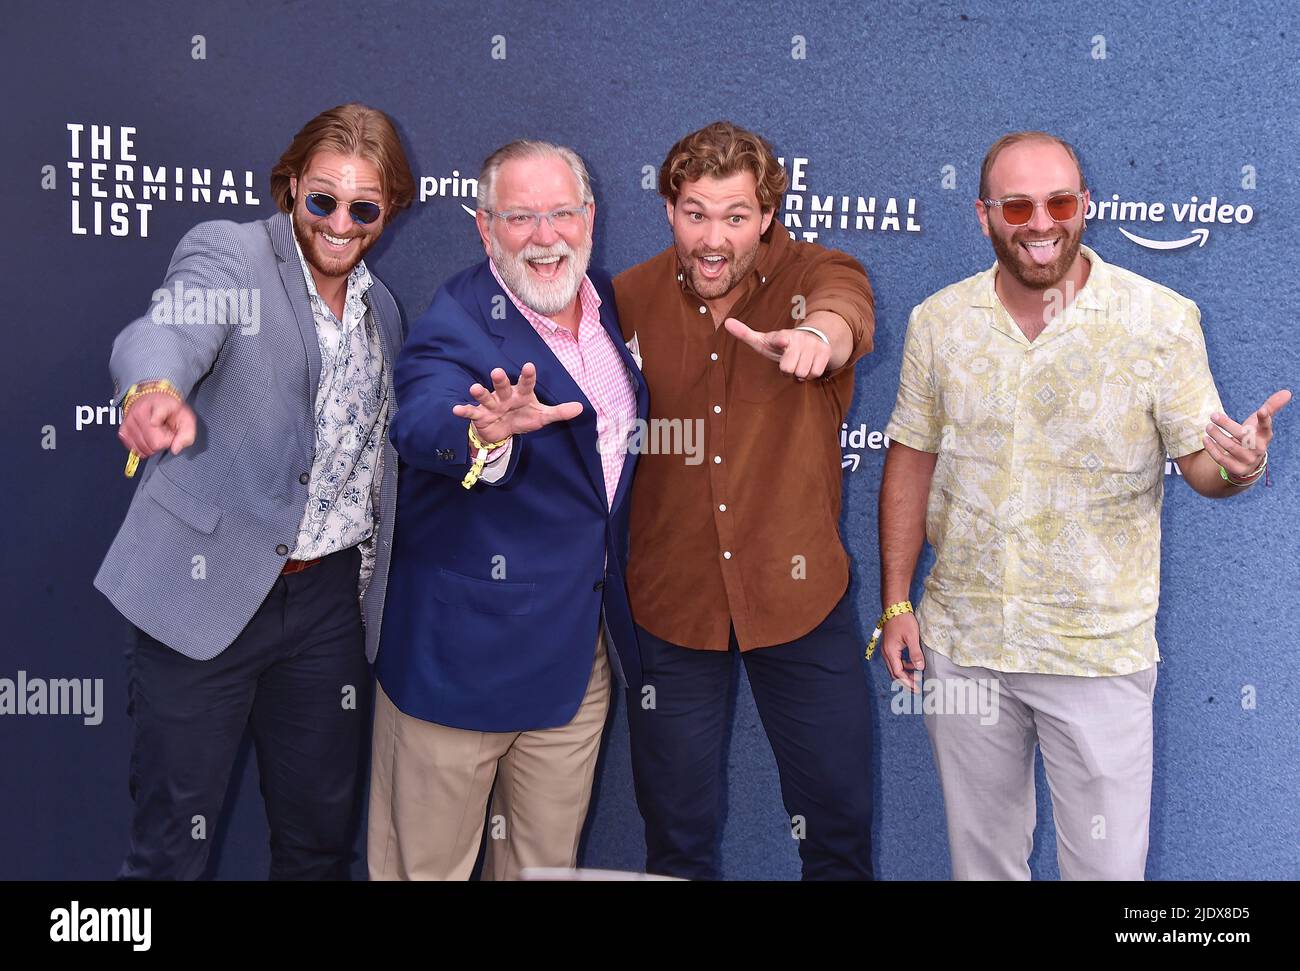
pixel 748 339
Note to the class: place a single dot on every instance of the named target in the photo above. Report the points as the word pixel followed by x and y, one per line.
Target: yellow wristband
pixel 139 390
pixel 480 456
pixel 479 443
pixel 162 385
pixel 892 611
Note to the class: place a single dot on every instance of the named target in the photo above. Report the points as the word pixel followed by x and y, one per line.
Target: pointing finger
pixel 185 431
pixel 738 329
pixel 744 333
pixel 1275 403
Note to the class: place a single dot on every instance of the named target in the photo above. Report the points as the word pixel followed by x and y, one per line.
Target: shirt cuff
pixel 498 461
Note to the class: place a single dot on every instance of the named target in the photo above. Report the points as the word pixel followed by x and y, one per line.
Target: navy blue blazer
pixel 495 593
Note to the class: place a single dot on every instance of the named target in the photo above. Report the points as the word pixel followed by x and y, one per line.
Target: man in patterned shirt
pixel 1036 405
pixel 254 557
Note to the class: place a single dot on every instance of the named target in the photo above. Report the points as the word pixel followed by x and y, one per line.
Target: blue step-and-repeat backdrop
pixel 881 113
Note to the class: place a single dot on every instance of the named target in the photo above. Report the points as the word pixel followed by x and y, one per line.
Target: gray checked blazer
pixel 236 496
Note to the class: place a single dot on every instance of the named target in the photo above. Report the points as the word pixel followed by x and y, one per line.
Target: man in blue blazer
pixel 257 544
pixel 506 608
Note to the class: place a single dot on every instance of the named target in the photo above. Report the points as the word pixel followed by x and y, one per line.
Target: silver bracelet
pixel 813 330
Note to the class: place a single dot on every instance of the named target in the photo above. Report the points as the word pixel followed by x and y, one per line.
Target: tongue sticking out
pixel 1043 254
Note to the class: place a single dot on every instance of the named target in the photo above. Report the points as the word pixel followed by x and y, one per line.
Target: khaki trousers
pixel 429 787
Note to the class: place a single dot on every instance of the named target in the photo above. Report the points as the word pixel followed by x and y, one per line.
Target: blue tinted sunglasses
pixel 322 204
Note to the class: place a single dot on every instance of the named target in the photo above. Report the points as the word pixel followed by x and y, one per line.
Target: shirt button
pixel 713 357
pixel 282 550
pixel 717 460
pixel 726 555
pixel 717 409
pixel 722 507
pixel 304 478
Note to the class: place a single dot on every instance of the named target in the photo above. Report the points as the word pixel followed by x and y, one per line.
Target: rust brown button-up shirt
pixel 745 531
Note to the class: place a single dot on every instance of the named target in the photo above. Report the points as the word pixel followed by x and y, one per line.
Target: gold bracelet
pixel 136 391
pixel 480 456
pixel 892 611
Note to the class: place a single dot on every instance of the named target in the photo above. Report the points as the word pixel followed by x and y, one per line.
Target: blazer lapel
pixel 295 288
pixel 638 389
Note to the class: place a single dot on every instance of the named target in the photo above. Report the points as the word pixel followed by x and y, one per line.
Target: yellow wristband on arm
pixel 480 456
pixel 163 386
pixel 892 611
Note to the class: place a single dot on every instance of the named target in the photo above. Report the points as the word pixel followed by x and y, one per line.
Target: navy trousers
pixel 812 697
pixel 297 675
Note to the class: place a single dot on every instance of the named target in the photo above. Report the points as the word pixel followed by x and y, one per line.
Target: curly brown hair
pixel 350 129
pixel 719 150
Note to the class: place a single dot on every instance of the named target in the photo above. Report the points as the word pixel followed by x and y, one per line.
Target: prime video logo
pixel 53 696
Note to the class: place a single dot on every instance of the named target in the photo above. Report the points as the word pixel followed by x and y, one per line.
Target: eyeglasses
pixel 524 222
pixel 1061 207
pixel 322 204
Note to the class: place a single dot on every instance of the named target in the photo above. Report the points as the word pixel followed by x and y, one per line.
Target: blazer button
pixel 304 478
pixel 598 585
pixel 282 550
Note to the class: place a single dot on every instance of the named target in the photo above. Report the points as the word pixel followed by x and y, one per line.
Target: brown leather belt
pixel 297 566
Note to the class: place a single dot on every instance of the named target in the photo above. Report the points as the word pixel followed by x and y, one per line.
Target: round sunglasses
pixel 322 204
pixel 1061 207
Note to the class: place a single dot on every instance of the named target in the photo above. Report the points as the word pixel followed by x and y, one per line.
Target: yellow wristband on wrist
pixel 143 388
pixel 139 390
pixel 480 456
pixel 892 611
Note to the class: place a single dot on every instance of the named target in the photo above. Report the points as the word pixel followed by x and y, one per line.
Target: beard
pixel 738 265
pixel 317 252
pixel 1013 258
pixel 545 297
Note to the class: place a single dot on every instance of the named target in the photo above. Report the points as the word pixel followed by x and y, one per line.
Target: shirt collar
pixel 359 282
pixel 588 300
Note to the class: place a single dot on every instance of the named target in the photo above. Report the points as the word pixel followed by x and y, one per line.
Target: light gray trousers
pixel 1095 735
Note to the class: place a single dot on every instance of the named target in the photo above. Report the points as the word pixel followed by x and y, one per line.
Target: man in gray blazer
pixel 254 556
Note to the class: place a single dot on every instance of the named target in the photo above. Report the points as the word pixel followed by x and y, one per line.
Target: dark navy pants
pixel 812 697
pixel 287 676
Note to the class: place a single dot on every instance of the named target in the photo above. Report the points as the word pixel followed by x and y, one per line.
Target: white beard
pixel 546 297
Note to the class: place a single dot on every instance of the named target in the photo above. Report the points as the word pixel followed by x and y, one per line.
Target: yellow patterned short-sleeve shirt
pixel 1044 510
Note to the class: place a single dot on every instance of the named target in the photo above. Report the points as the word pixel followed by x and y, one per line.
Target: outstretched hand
pixel 158 421
pixel 512 409
pixel 801 354
pixel 1239 448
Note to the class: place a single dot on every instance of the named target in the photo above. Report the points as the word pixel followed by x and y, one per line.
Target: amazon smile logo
pixel 1174 225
